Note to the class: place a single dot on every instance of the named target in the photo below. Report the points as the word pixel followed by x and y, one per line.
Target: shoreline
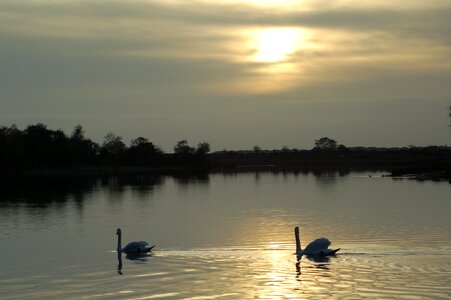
pixel 395 171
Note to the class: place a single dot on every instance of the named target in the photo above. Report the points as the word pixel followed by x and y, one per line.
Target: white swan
pixel 319 247
pixel 133 247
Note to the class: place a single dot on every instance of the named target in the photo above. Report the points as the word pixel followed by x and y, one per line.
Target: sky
pixel 232 73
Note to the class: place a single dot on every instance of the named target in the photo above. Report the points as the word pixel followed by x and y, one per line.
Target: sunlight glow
pixel 272 2
pixel 276 45
pixel 272 54
pixel 276 262
pixel 276 4
pixel 274 58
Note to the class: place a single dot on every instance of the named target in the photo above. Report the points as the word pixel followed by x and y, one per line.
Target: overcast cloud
pixel 375 74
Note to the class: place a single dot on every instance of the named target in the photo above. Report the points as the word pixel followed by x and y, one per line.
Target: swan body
pixel 133 247
pixel 319 247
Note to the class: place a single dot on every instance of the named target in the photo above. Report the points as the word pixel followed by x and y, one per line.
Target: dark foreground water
pixel 226 237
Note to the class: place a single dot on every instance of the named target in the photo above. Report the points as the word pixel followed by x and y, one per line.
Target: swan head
pixel 118 231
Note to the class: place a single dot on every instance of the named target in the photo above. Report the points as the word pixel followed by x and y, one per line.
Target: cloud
pixel 92 45
pixel 206 13
pixel 188 63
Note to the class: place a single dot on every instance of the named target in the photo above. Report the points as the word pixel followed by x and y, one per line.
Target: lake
pixel 226 236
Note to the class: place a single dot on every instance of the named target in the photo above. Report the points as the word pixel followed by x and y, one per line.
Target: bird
pixel 319 247
pixel 132 248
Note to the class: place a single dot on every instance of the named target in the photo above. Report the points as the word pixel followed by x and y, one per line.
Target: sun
pixel 271 57
pixel 276 45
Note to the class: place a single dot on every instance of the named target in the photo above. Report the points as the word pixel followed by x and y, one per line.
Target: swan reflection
pixel 136 258
pixel 298 269
pixel 320 262
pixel 119 263
pixel 318 259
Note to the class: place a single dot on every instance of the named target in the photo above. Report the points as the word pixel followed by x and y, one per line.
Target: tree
pixel 285 149
pixel 113 144
pixel 82 149
pixel 325 143
pixel 257 149
pixel 38 132
pixel 203 148
pixel 140 142
pixel 11 145
pixel 44 146
pixel 182 148
pixel 342 148
pixel 78 133
pixel 142 149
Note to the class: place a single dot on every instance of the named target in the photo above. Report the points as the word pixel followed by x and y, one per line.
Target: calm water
pixel 227 237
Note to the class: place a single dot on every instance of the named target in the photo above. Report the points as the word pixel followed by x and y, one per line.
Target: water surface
pixel 226 236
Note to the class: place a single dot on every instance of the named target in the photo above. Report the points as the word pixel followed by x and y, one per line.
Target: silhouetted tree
pixel 44 146
pixel 113 145
pixel 257 149
pixel 143 151
pixel 78 133
pixel 342 148
pixel 140 142
pixel 187 155
pixel 182 148
pixel 285 149
pixel 82 149
pixel 202 148
pixel 11 150
pixel 326 143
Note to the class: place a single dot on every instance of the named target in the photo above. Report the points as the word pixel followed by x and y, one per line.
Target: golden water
pixel 227 237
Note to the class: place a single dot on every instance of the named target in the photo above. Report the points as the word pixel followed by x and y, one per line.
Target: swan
pixel 133 247
pixel 319 247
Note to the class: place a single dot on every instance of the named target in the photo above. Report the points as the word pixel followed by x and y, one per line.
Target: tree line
pixel 38 146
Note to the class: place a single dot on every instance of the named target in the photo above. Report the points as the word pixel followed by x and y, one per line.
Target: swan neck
pixel 119 247
pixel 298 240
